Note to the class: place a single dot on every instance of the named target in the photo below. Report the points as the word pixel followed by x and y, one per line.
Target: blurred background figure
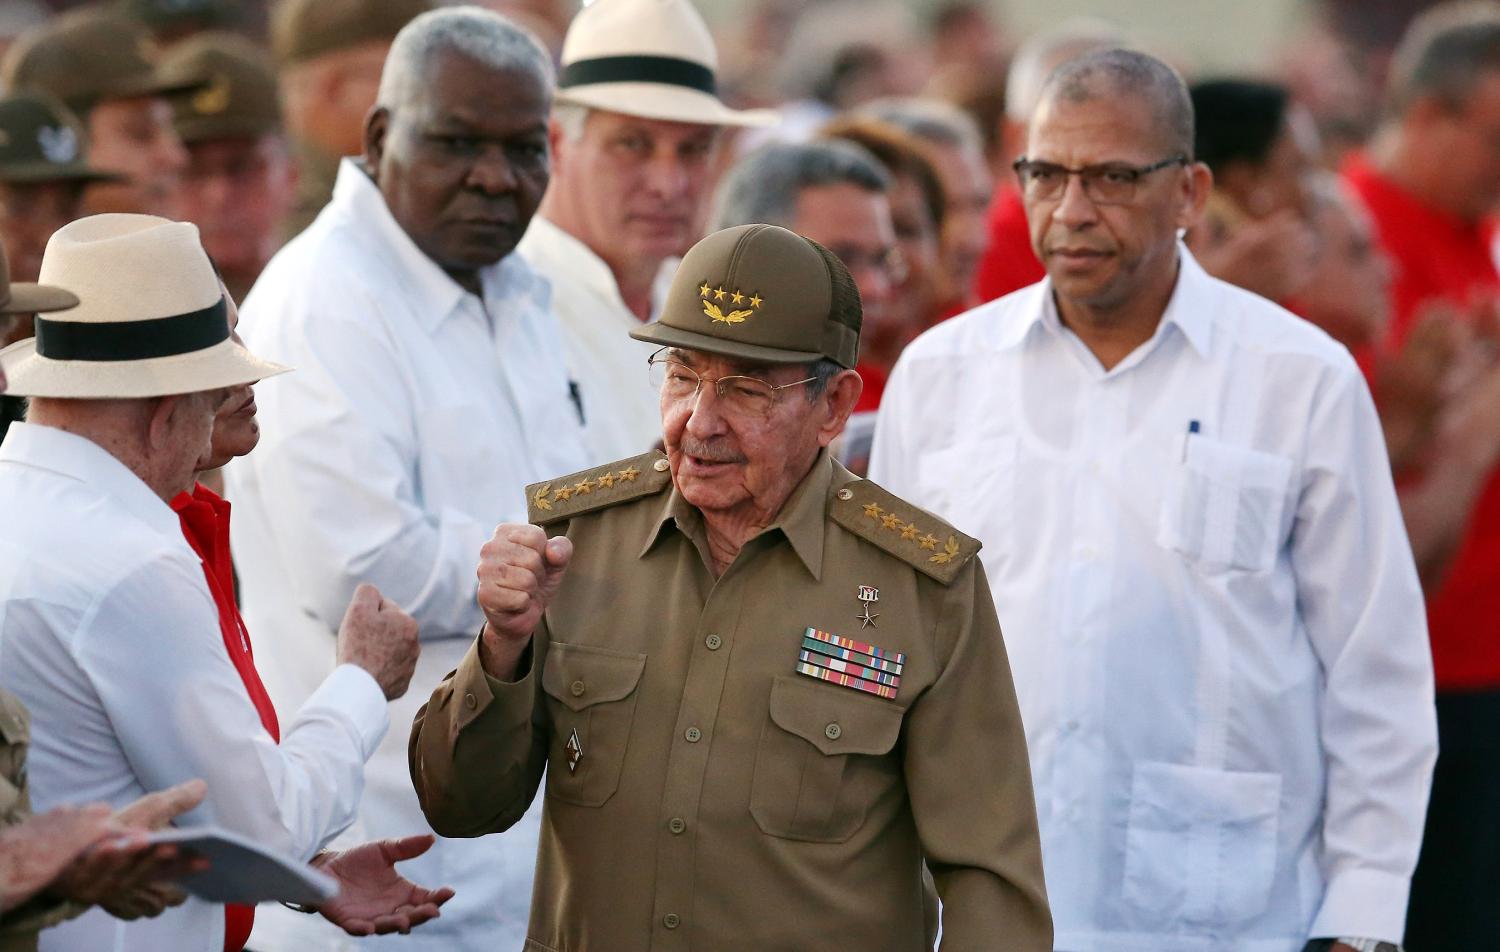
pixel 838 194
pixel 241 180
pixel 103 67
pixel 329 54
pixel 918 206
pixel 1347 292
pixel 1431 179
pixel 1261 147
pixel 172 21
pixel 966 41
pixel 951 142
pixel 42 177
pixel 1008 263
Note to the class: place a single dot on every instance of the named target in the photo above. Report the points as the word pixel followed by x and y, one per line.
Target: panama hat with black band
pixel 151 318
pixel 649 58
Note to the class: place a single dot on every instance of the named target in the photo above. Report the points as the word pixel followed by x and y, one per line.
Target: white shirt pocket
pixel 1200 848
pixel 1224 508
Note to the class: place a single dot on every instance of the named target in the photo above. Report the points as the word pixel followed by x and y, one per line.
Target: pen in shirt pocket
pixel 1192 429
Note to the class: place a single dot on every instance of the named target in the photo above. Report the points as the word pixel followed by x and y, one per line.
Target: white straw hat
pixel 151 318
pixel 648 58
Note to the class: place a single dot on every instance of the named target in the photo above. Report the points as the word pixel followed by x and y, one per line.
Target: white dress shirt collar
pixel 358 199
pixel 82 459
pixel 1184 311
pixel 552 243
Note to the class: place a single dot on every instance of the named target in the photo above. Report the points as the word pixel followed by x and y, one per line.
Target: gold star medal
pixel 868 595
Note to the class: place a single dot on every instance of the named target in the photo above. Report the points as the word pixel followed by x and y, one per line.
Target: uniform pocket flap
pixel 1173 796
pixel 834 719
pixel 580 676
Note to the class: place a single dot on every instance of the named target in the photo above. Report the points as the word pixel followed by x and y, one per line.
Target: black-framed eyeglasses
pixel 738 395
pixel 1109 183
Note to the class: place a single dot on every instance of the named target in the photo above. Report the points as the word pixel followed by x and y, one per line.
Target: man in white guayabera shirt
pixel 431 390
pixel 1196 554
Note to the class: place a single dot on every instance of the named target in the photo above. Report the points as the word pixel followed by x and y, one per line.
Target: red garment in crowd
pixel 875 381
pixel 1437 256
pixel 205 523
pixel 1008 263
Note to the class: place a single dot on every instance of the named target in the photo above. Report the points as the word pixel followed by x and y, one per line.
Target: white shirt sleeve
pixel 153 650
pixel 1360 599
pixel 339 470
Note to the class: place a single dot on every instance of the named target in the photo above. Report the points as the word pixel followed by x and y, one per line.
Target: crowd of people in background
pixel 451 231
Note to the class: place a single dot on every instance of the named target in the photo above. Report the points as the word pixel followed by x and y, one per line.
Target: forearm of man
pixel 1436 512
pixel 479 745
pixel 980 837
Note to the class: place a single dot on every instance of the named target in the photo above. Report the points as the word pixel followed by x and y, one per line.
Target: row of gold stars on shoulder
pixel 706 290
pixel 911 532
pixel 545 495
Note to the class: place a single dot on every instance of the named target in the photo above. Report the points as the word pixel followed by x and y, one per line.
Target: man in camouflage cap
pixel 102 66
pixel 241 181
pixel 330 53
pixel 765 692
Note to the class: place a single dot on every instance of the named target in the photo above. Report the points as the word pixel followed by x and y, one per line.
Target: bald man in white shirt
pixel 1195 551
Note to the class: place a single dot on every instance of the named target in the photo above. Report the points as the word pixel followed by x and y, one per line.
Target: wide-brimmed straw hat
pixel 649 58
pixel 151 318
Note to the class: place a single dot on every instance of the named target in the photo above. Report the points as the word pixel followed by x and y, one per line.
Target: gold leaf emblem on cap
pixel 59 144
pixel 213 98
pixel 710 293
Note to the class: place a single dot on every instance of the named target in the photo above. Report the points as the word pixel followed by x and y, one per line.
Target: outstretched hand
pixel 373 898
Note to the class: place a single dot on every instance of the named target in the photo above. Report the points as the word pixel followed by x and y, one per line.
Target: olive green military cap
pixel 761 293
pixel 175 14
pixel 241 98
pixel 305 29
pixel 87 57
pixel 41 141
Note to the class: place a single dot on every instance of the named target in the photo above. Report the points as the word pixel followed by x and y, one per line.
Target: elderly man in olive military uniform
pixel 765 692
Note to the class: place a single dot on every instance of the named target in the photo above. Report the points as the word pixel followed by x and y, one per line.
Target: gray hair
pixel 1043 53
pixel 763 187
pixel 1118 72
pixel 571 117
pixel 1444 52
pixel 473 32
pixel 930 120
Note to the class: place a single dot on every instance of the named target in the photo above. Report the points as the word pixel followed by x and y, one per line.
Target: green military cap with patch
pixel 41 142
pixel 87 57
pixel 764 294
pixel 172 15
pixel 241 98
pixel 306 29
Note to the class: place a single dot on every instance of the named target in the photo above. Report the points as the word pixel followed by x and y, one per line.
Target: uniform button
pixel 693 735
pixel 677 824
pixel 846 494
pixel 661 466
pixel 713 642
pixel 833 732
pixel 671 920
pixel 469 702
pixel 577 689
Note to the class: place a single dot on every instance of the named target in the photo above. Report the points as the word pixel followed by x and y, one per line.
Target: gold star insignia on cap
pixel 737 297
pixel 705 289
pixel 213 98
pixel 755 301
pixel 719 294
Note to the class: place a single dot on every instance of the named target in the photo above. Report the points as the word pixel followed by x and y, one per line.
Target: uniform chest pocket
pixel 821 760
pixel 592 695
pixel 1225 505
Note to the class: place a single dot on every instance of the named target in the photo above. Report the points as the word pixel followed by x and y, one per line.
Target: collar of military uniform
pixel 802 520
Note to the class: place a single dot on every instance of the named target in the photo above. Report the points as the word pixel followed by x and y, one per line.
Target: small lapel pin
pixel 574 750
pixel 868 595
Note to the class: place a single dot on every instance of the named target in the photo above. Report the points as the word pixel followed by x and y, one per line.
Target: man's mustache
pixel 712 452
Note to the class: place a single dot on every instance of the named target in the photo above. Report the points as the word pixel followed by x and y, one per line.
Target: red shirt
pixel 1008 263
pixel 1438 256
pixel 875 380
pixel 205 523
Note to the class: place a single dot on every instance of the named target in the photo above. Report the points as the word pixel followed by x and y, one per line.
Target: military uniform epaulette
pixel 596 488
pixel 923 541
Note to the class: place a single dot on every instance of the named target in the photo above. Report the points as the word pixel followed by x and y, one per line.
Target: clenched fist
pixel 520 570
pixel 381 638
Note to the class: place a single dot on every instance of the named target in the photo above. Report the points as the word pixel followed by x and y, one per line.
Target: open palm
pixel 373 898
